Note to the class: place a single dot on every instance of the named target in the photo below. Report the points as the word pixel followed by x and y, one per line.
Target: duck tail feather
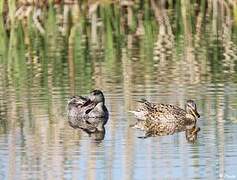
pixel 143 100
pixel 139 114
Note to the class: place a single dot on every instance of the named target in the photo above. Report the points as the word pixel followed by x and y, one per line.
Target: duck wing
pixel 166 113
pixel 160 112
pixel 84 104
pixel 166 119
pixel 144 109
pixel 78 100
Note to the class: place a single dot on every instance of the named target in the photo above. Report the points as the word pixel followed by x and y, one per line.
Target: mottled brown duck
pixel 166 119
pixel 88 113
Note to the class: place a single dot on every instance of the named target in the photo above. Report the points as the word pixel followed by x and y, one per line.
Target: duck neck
pixel 190 116
pixel 100 105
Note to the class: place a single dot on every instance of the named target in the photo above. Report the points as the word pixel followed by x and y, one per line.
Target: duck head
pixel 191 108
pixel 97 96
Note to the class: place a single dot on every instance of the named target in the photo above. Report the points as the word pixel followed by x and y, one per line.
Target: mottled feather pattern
pixel 88 113
pixel 163 119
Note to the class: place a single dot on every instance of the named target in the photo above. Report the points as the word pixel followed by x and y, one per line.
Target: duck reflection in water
pixel 89 113
pixel 192 134
pixel 165 119
pixel 94 127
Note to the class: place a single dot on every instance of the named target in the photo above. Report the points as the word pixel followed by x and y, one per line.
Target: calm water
pixel 168 61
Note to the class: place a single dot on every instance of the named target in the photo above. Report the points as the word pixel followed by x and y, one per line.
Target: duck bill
pixel 196 114
pixel 87 103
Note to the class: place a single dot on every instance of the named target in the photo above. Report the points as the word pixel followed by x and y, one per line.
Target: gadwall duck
pixel 165 119
pixel 92 106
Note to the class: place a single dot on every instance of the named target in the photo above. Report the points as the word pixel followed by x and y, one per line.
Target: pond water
pixel 179 56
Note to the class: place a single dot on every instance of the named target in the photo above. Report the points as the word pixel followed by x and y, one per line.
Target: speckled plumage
pixel 92 106
pixel 165 119
pixel 88 113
